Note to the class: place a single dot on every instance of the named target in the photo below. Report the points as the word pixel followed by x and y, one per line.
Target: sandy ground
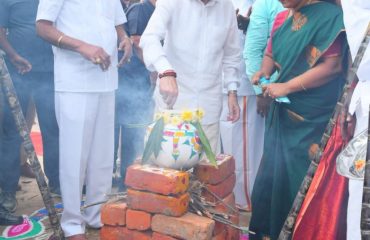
pixel 29 201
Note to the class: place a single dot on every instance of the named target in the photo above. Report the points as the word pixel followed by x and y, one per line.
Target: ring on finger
pixel 98 60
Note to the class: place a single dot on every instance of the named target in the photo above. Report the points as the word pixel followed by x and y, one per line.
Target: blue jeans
pixel 39 86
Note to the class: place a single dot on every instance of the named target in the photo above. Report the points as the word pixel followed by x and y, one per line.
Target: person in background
pixel 30 63
pixel 6 218
pixel 134 104
pixel 85 35
pixel 311 76
pixel 259 29
pixel 200 41
pixel 357 19
pixel 239 138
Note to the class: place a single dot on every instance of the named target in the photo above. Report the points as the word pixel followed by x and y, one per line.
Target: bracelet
pixel 59 40
pixel 303 88
pixel 232 92
pixel 167 73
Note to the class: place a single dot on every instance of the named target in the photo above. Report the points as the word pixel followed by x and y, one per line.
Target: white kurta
pixel 200 41
pixel 84 106
pixel 356 20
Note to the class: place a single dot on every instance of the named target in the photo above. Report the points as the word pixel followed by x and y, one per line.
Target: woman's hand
pixel 257 76
pixel 275 90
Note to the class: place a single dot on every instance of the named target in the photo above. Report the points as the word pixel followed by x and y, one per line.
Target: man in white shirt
pixel 243 139
pixel 84 34
pixel 201 41
pixel 356 20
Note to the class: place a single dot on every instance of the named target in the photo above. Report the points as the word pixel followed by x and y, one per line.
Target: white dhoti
pixel 356 186
pixel 86 123
pixel 243 140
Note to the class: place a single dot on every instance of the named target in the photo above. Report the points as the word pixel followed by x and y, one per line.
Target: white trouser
pixel 243 140
pixel 356 186
pixel 86 125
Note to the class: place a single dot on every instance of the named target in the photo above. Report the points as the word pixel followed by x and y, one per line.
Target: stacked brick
pixel 156 208
pixel 221 182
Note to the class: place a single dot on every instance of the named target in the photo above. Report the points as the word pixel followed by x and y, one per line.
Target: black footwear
pixel 7 219
pixel 8 202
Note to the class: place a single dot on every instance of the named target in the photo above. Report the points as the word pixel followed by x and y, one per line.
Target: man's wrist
pixel 232 93
pixel 167 73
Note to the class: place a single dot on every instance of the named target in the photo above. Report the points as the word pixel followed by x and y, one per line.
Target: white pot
pixel 181 148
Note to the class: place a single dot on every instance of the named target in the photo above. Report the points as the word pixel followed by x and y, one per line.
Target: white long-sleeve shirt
pixel 356 20
pixel 92 21
pixel 200 42
pixel 245 88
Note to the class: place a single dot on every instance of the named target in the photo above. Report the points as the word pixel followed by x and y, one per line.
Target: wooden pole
pixel 11 96
pixel 288 228
pixel 365 211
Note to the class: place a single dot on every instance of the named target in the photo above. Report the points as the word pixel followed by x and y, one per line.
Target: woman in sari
pixel 306 50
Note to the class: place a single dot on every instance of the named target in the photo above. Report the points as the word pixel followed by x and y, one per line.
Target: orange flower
pixel 359 164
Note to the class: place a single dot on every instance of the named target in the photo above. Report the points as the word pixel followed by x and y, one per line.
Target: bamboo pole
pixel 11 96
pixel 365 211
pixel 288 228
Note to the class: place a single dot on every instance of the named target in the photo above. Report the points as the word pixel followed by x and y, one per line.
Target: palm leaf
pixel 206 146
pixel 153 145
pixel 158 136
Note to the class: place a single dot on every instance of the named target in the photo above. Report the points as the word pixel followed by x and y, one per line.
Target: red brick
pixel 222 190
pixel 159 236
pixel 227 201
pixel 114 214
pixel 207 173
pixel 110 233
pixel 220 236
pixel 189 226
pixel 138 220
pixel 219 227
pixel 127 234
pixel 156 203
pixel 158 180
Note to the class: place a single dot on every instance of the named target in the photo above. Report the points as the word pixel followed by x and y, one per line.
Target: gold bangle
pixel 302 86
pixel 60 40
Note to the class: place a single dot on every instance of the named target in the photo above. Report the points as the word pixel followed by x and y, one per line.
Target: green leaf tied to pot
pixel 176 140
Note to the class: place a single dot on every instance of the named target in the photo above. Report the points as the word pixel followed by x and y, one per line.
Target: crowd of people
pixel 267 73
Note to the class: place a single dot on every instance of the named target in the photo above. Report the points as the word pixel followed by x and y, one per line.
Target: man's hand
pixel 126 46
pixel 169 90
pixel 95 54
pixel 263 105
pixel 21 64
pixel 234 109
